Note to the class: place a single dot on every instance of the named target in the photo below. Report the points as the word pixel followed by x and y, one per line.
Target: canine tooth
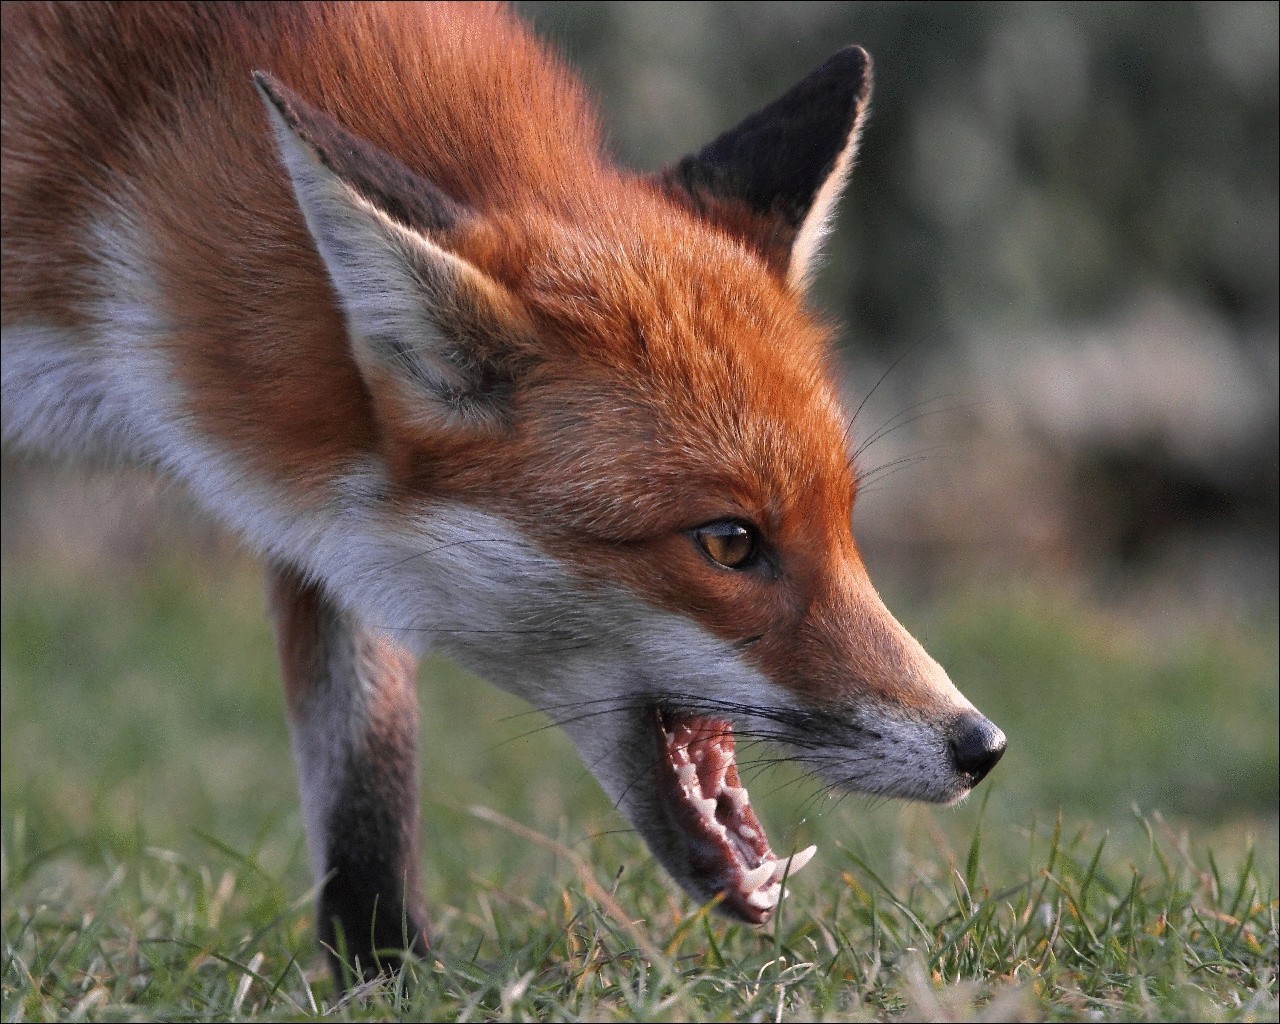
pixel 764 899
pixel 795 862
pixel 757 876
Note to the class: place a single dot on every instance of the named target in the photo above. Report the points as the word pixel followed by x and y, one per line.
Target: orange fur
pixel 641 288
pixel 649 364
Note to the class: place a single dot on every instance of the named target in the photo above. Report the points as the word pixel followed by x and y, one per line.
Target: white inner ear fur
pixel 389 279
pixel 817 225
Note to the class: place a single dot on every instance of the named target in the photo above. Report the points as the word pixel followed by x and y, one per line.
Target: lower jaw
pixel 727 852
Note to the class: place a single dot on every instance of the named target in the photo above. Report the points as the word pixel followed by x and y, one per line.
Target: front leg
pixel 353 715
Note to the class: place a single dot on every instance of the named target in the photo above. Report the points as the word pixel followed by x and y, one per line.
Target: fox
pixel 364 279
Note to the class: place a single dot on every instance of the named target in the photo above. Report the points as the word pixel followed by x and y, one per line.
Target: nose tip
pixel 976 745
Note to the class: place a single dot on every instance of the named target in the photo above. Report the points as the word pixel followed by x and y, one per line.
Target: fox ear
pixel 419 318
pixel 774 179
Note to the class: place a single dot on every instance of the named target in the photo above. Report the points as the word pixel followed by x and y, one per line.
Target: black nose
pixel 976 745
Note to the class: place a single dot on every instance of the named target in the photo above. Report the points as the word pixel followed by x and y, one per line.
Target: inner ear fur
pixel 433 335
pixel 773 180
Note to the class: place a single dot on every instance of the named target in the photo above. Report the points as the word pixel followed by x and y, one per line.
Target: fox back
pixel 363 278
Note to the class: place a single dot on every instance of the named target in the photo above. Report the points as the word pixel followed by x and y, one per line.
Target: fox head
pixel 613 471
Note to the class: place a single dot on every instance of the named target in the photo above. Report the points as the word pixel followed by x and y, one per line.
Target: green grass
pixel 1120 864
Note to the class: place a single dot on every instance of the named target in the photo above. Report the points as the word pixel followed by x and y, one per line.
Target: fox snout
pixel 881 715
pixel 397 320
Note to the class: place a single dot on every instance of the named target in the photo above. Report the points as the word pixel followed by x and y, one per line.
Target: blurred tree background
pixel 1060 243
pixel 1064 220
pixel 1057 255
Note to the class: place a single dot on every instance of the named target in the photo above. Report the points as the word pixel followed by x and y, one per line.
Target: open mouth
pixel 728 850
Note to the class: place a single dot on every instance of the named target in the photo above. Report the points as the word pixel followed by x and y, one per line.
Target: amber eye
pixel 729 543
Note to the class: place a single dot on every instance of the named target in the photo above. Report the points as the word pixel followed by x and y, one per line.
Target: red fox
pixel 362 277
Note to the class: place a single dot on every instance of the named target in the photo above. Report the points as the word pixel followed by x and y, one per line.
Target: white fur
pixel 387 278
pixel 451 575
pixel 55 394
pixel 817 224
pixel 471 584
pixel 112 392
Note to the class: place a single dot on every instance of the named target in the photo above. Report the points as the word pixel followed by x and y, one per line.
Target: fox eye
pixel 729 543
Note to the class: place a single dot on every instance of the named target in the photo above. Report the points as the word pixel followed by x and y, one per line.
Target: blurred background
pixel 1063 221
pixel 1055 275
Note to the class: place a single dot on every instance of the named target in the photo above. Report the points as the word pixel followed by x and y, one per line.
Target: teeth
pixel 756 877
pixel 765 899
pixel 708 808
pixel 737 796
pixel 761 902
pixel 795 862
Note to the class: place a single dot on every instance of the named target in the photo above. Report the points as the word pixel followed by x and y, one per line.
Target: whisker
pixel 866 398
pixel 864 478
pixel 900 419
pixel 461 542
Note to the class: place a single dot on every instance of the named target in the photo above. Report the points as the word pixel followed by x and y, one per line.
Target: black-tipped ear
pixel 774 179
pixel 376 175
